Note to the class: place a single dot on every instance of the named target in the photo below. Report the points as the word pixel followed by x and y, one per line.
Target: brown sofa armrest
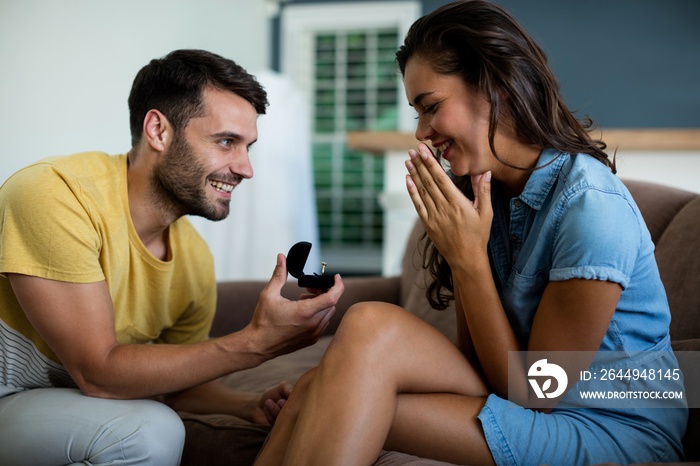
pixel 361 289
pixel 235 303
pixel 236 300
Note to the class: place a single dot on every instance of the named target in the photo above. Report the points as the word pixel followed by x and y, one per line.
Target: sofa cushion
pixel 414 283
pixel 659 204
pixel 677 256
pixel 686 351
pixel 394 458
pixel 220 440
pixel 417 304
pixel 412 263
pixel 691 441
pixel 288 367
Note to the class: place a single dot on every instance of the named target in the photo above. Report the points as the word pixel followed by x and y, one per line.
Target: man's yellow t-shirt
pixel 68 219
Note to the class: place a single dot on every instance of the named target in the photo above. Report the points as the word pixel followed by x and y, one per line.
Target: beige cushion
pixel 678 257
pixel 414 282
pixel 288 367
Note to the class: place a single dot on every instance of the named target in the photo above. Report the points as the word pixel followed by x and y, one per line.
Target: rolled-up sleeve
pixel 598 238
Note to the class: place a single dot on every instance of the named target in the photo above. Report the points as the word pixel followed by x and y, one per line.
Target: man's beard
pixel 178 184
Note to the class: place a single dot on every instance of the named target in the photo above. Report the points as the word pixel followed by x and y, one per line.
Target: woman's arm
pixel 490 332
pixel 460 230
pixel 464 339
pixel 573 315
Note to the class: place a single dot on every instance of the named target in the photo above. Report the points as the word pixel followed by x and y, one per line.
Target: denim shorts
pixel 581 436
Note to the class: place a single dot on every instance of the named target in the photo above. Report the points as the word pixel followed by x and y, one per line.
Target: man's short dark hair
pixel 174 85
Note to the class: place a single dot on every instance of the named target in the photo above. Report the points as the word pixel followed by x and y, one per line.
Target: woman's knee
pixel 368 332
pixel 373 320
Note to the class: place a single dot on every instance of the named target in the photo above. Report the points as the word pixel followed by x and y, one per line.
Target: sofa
pixel 673 219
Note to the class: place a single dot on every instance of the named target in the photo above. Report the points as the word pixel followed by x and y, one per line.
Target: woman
pixel 542 249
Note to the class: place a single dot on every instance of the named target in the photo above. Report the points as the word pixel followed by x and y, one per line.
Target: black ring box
pixel 296 260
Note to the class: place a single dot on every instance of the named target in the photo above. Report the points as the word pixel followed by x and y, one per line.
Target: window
pixel 343 57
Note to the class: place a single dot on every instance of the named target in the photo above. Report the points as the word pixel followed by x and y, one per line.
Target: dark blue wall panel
pixel 624 63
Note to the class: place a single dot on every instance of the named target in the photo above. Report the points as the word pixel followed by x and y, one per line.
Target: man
pixel 97 261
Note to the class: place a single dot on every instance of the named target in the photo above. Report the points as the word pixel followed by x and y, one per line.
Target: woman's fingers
pixel 422 200
pixel 430 170
pixel 416 198
pixel 482 195
pixel 428 178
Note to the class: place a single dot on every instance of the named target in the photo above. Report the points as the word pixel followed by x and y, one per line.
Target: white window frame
pixel 300 23
pixel 299 26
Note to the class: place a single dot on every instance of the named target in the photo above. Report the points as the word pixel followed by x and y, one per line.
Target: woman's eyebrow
pixel 417 100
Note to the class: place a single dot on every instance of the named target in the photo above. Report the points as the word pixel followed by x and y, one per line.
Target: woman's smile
pixel 443 148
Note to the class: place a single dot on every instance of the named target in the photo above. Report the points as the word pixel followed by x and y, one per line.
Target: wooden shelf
pixel 647 139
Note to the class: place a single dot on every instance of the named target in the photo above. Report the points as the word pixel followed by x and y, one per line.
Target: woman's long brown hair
pixel 492 53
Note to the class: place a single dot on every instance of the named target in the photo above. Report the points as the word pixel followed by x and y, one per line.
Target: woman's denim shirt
pixel 576 219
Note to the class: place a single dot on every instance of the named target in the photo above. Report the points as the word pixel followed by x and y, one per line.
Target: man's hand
pixel 271 403
pixel 280 326
pixel 216 397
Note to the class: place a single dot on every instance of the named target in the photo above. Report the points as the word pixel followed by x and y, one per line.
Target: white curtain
pixel 277 207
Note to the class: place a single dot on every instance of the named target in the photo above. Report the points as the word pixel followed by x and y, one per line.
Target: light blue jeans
pixel 60 426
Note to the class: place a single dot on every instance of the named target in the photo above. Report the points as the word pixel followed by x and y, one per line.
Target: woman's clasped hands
pixel 458 227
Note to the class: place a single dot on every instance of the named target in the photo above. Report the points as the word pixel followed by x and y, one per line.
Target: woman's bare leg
pixel 345 411
pixel 441 426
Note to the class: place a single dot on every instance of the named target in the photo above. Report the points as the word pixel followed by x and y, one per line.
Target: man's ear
pixel 157 130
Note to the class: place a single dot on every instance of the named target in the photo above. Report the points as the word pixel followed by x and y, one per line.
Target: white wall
pixel 67 65
pixel 680 169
